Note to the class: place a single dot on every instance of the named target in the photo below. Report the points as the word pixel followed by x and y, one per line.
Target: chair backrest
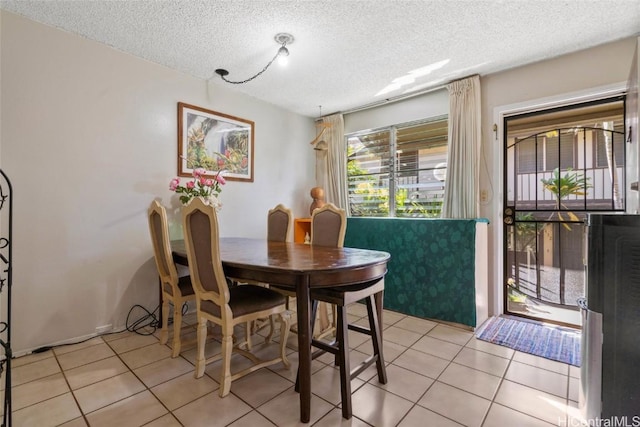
pixel 201 237
pixel 279 224
pixel 159 231
pixel 328 226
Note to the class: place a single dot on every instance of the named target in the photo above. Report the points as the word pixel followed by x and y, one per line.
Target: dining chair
pixel 328 228
pixel 222 305
pixel 176 290
pixel 279 220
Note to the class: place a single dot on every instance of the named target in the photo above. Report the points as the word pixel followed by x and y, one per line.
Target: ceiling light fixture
pixel 283 40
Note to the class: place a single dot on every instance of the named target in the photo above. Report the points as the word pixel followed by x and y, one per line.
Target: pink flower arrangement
pixel 200 186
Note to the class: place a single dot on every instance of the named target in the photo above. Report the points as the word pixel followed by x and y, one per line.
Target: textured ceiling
pixel 345 52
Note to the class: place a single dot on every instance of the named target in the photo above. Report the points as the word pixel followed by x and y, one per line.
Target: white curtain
pixel 461 183
pixel 331 161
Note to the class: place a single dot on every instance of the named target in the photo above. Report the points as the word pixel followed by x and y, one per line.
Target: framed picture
pixel 216 142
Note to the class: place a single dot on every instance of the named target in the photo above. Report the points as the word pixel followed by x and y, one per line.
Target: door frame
pixel 499 113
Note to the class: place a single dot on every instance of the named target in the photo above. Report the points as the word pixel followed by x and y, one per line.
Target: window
pixel 408 161
pixel 600 138
pixel 544 150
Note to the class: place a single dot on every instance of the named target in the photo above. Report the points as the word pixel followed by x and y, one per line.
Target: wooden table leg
pixel 304 347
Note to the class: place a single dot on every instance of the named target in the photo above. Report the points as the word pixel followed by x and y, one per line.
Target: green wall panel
pixel 432 269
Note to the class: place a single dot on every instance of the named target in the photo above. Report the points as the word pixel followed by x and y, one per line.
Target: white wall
pixel 89 139
pixel 431 104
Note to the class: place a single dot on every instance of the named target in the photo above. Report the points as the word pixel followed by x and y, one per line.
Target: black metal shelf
pixel 6 215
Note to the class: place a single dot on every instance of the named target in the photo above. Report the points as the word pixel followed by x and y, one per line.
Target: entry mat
pixel 551 342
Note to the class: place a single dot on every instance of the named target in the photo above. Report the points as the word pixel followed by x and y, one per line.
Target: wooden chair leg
pixel 285 325
pixel 164 331
pixel 247 334
pixel 342 337
pixel 201 339
pixel 177 328
pixel 376 338
pixel 227 348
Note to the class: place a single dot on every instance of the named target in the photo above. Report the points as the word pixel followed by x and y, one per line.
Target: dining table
pixel 300 267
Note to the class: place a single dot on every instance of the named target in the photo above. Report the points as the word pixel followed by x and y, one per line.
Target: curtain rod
pixel 390 100
pixel 397 98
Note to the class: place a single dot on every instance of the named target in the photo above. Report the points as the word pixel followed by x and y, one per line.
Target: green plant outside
pixel 376 200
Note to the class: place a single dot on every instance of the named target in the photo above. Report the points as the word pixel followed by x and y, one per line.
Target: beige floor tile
pixel 471 380
pixel 135 410
pixel 379 407
pixel 290 373
pixel 449 333
pixel 334 419
pixel 414 324
pixel 538 378
pixel 400 336
pixel 390 350
pixel 437 347
pixel 501 416
pixel 487 347
pixel 405 383
pixel 445 367
pixel 52 412
pixel 326 384
pixel 78 422
pixel 167 420
pixel 574 371
pixel 574 389
pixel 482 361
pixel 84 356
pixel 183 389
pixel 33 371
pixel 30 358
pixel 419 416
pixel 212 411
pixel 238 363
pixel 359 310
pixel 145 355
pixel 118 335
pixel 132 342
pixel 211 348
pixel 421 363
pixel 163 370
pixel 252 419
pixel 355 359
pixel 63 349
pixel 38 390
pixel 575 418
pixel 284 410
pixel 391 317
pixel 259 387
pixel 103 393
pixel 453 403
pixel 94 372
pixel 532 402
pixel 541 362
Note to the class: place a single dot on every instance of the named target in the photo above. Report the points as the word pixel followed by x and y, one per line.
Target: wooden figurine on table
pixel 317 194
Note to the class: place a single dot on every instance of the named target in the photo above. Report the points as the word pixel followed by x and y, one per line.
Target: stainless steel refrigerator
pixel 610 368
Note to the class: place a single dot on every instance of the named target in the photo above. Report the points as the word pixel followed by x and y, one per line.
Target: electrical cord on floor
pixel 148 319
pixel 149 322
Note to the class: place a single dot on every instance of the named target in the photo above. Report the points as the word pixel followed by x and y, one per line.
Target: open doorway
pixel 560 164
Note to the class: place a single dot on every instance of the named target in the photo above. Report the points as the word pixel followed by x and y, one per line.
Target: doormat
pixel 550 342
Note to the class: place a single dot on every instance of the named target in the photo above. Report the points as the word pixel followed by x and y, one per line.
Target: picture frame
pixel 216 142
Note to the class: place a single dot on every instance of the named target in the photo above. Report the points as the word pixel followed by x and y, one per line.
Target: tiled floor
pixel 438 376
